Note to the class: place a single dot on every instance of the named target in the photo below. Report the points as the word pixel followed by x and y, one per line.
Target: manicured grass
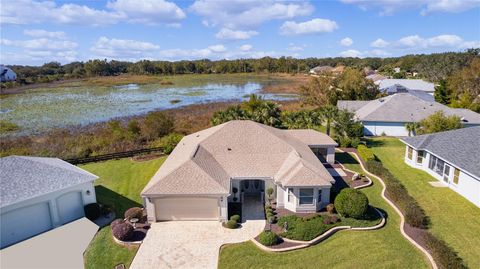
pixel 383 248
pixel 453 218
pixel 119 185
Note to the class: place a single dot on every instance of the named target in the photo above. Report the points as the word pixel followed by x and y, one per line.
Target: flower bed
pixel 308 228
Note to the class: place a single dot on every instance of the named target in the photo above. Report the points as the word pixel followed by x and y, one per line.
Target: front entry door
pixel 251 186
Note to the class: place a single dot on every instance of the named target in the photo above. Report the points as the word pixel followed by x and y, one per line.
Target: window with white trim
pixel 410 153
pixel 420 155
pixel 456 175
pixel 306 196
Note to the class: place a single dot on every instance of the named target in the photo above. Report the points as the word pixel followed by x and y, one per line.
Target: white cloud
pixel 141 11
pixel 436 41
pixel 379 43
pixel 217 48
pixel 244 14
pixel 148 11
pixel 44 33
pixel 229 34
pixel 389 7
pixel 123 49
pixel 246 47
pixel 308 27
pixel 346 42
pixel 378 53
pixel 40 44
pixel 351 53
pixel 470 44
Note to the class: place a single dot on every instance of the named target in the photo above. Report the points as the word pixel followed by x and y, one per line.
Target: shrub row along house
pixel 198 179
pixel 388 115
pixel 452 157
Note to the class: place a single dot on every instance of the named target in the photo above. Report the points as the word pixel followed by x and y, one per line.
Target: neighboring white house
pixel 39 194
pixel 7 74
pixel 391 86
pixel 388 115
pixel 452 157
pixel 321 69
pixel 196 181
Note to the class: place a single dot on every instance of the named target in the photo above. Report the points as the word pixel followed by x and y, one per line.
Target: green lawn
pixel 119 185
pixel 453 218
pixel 384 248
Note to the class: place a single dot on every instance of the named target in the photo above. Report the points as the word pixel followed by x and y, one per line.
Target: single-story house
pixel 452 157
pixel 7 74
pixel 391 86
pixel 39 194
pixel 321 69
pixel 388 115
pixel 198 179
pixel 375 77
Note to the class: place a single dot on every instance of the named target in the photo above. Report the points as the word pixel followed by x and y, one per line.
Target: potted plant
pixel 269 193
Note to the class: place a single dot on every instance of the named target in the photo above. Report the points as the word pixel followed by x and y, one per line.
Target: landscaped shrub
pixel 269 214
pixel 134 212
pixel 351 203
pixel 231 224
pixel 365 153
pixel 344 141
pixel 272 219
pixel 330 208
pixel 92 211
pixel 235 218
pixel 123 231
pixel 116 222
pixel 268 238
pixel 414 214
pixel 355 142
pixel 267 207
pixel 442 253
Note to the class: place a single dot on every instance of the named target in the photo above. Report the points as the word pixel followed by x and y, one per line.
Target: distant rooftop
pixel 403 107
pixel 409 84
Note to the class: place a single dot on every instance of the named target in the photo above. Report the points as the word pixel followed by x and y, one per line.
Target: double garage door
pixel 24 222
pixel 187 208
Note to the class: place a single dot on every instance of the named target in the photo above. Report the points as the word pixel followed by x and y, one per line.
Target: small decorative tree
pixel 234 190
pixel 270 193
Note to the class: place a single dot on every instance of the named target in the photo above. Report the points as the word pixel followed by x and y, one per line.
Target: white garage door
pixel 70 207
pixel 187 208
pixel 24 223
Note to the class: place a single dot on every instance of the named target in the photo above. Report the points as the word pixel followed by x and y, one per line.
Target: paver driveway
pixel 189 244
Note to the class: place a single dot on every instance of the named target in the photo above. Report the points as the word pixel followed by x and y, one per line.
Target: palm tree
pixel 328 114
pixel 412 127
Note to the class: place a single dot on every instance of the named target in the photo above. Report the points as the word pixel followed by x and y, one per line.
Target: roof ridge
pixel 71 167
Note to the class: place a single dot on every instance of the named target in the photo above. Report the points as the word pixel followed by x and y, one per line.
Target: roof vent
pixel 229 149
pixel 198 135
pixel 381 100
pixel 463 119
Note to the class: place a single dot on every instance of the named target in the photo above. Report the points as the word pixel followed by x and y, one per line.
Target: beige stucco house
pixel 197 180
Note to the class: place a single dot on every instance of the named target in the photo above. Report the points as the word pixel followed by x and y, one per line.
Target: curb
pixel 402 218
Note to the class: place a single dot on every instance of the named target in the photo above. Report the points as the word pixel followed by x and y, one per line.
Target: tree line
pixel 432 67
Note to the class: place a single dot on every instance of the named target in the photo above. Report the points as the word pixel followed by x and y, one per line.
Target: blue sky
pixel 35 32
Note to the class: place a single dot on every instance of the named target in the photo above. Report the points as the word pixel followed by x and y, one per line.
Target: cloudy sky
pixel 35 32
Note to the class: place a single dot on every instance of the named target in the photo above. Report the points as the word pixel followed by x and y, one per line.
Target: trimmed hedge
pixel 92 211
pixel 122 231
pixel 414 214
pixel 443 254
pixel 268 238
pixel 365 153
pixel 351 203
pixel 134 212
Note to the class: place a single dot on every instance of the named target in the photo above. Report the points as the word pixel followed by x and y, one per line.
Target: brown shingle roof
pixel 204 162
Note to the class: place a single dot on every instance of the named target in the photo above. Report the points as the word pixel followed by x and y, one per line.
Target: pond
pixel 43 109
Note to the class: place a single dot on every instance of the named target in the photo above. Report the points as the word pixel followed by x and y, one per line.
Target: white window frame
pixel 305 196
pixel 290 195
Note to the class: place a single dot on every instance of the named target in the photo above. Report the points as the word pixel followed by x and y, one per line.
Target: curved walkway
pixel 402 218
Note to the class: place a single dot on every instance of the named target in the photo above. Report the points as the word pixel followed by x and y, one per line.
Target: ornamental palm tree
pixel 412 128
pixel 328 114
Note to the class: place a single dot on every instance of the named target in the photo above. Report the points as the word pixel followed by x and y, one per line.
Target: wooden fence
pixel 111 156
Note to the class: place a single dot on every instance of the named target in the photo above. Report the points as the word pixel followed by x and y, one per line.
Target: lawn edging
pixel 320 238
pixel 402 217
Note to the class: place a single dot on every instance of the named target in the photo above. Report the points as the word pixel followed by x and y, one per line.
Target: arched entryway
pixel 252 186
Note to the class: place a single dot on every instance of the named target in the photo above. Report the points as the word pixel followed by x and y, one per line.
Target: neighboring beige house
pixel 196 182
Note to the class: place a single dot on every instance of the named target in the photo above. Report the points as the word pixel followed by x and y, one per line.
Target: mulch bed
pixel 147 157
pixel 140 231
